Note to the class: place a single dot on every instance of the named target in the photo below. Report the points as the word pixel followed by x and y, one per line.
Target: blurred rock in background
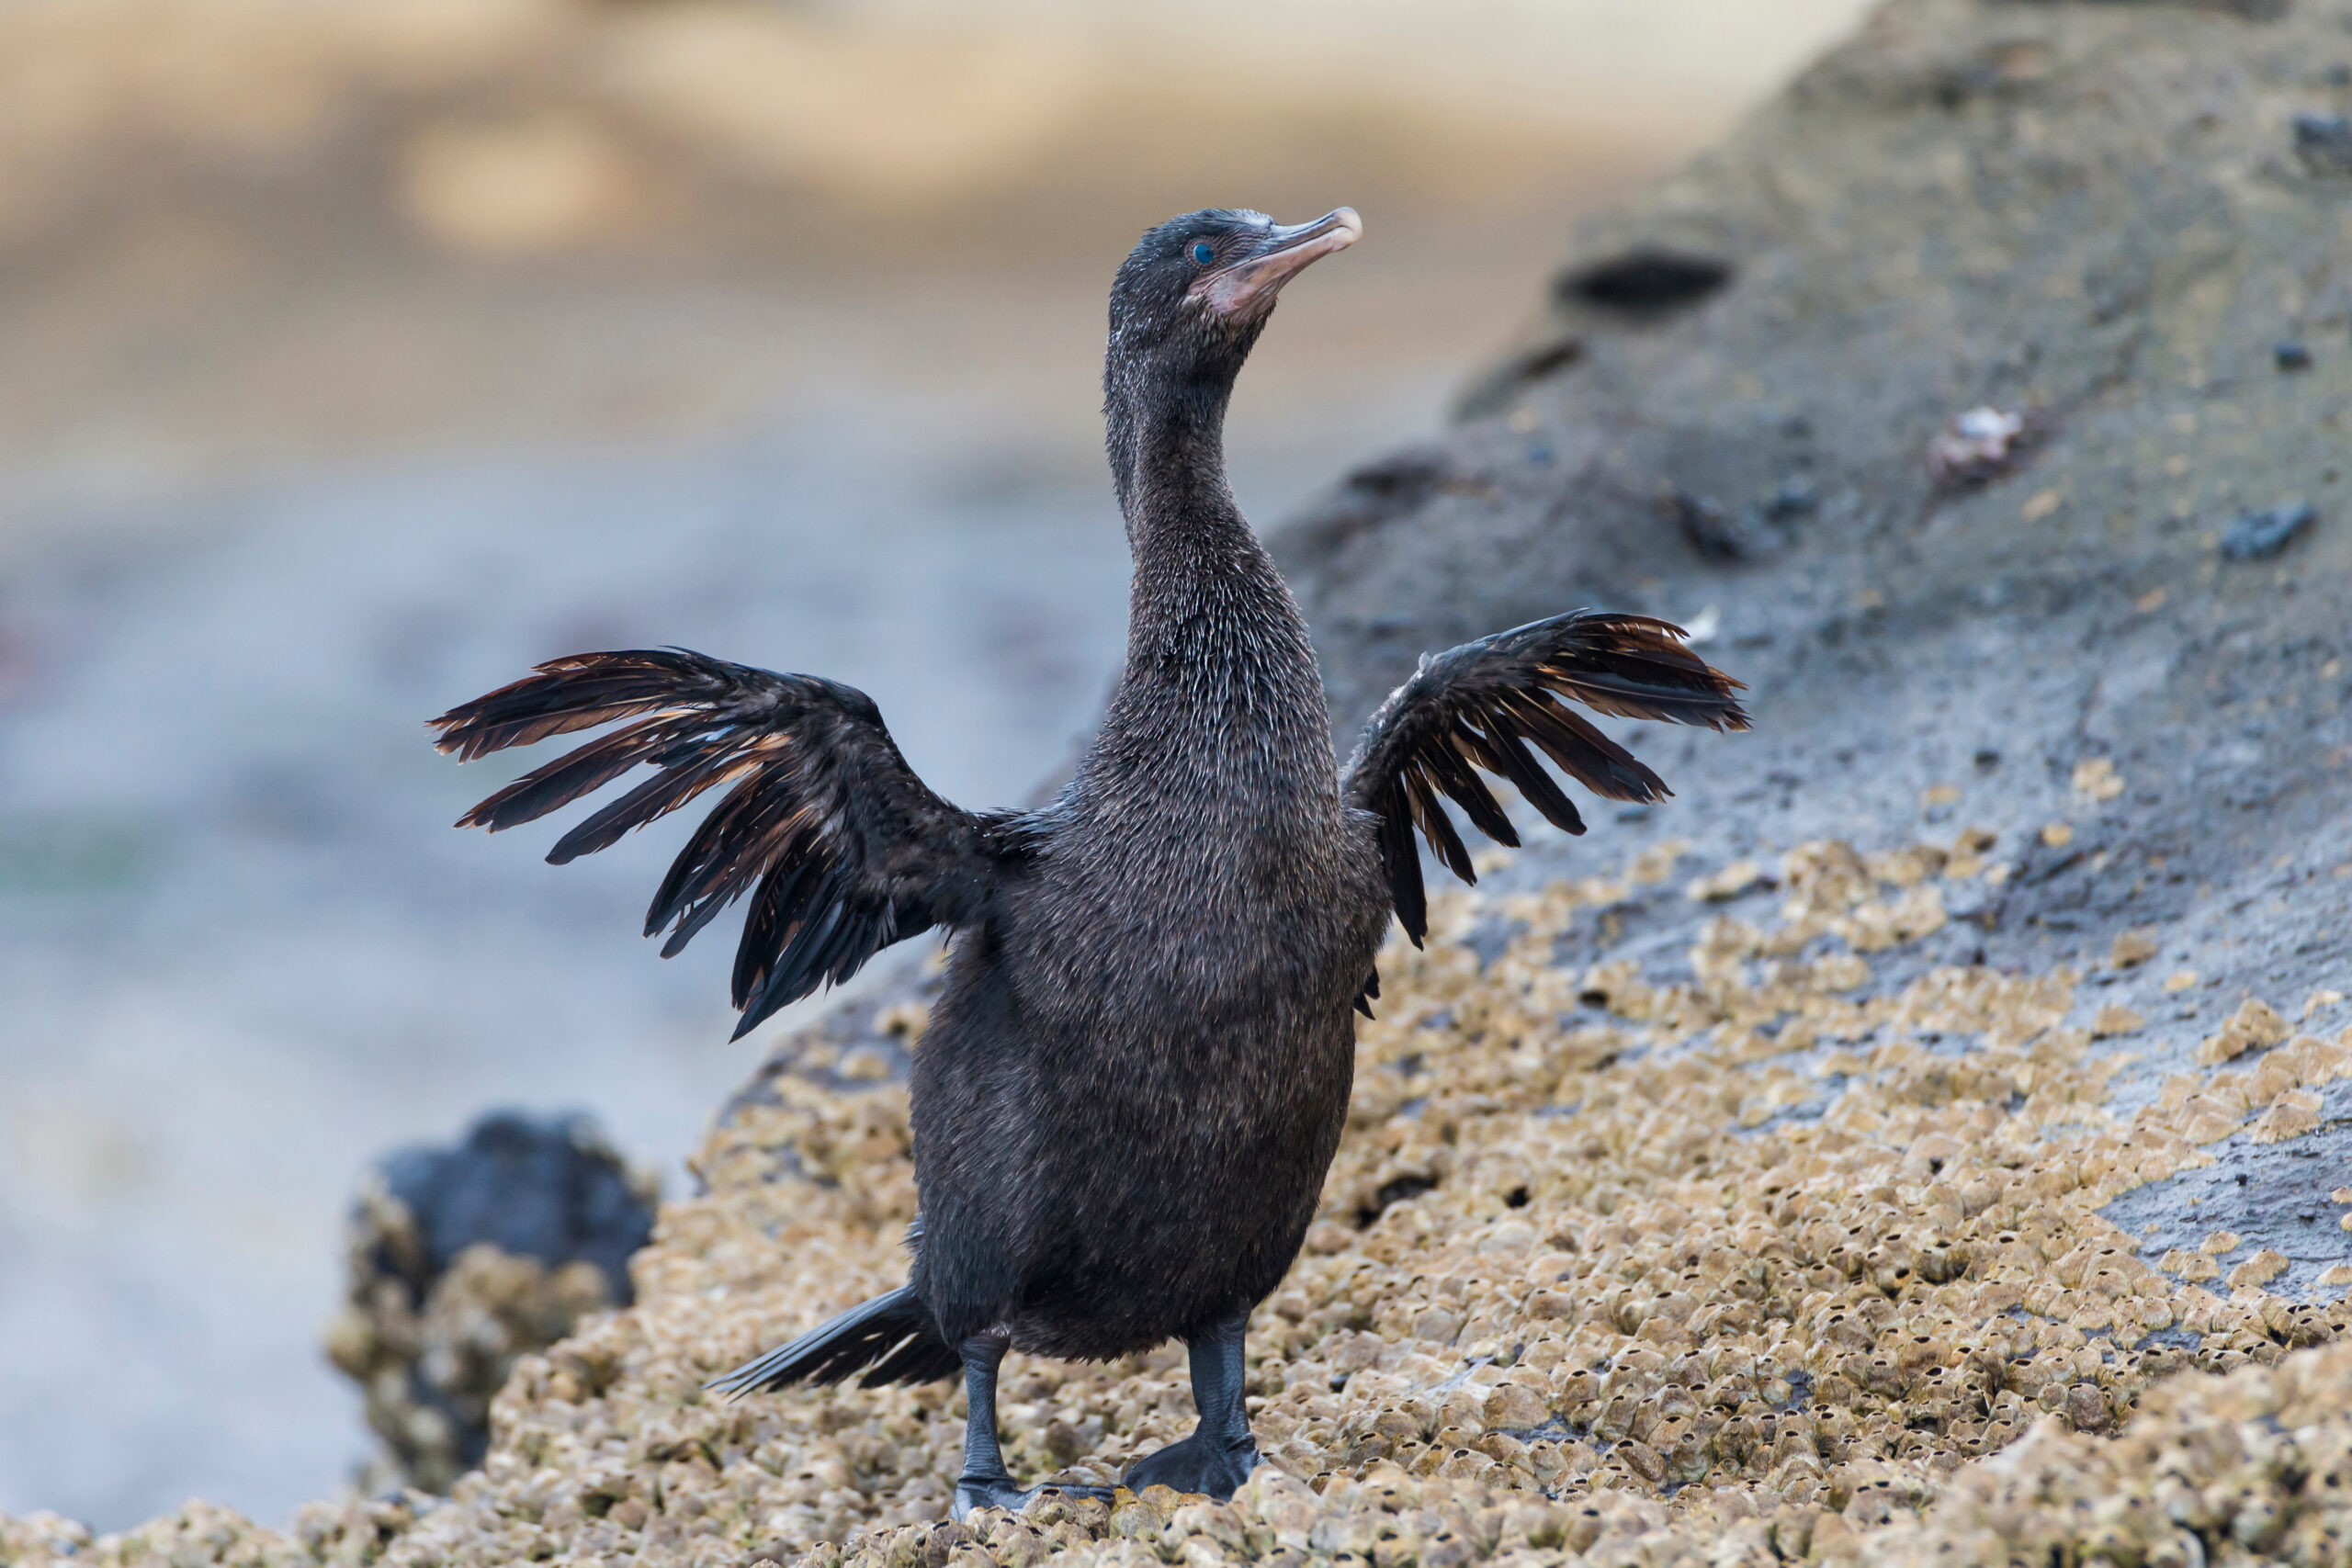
pixel 276 188
pixel 461 1259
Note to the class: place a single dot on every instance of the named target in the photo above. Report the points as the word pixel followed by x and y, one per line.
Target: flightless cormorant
pixel 1136 1075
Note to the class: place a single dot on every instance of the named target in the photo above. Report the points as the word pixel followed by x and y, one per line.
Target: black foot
pixel 1196 1464
pixel 998 1492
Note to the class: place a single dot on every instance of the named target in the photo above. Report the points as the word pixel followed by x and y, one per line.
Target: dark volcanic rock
pixel 2257 535
pixel 461 1259
pixel 2081 213
pixel 544 1188
pixel 2325 142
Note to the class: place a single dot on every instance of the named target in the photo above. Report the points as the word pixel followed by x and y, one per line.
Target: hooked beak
pixel 1287 250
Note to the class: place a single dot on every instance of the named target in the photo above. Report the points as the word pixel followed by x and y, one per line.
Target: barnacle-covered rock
pixel 458 1260
pixel 1780 1262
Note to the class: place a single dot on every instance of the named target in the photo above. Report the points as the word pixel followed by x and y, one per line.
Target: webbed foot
pixel 1220 1454
pixel 1196 1463
pixel 975 1492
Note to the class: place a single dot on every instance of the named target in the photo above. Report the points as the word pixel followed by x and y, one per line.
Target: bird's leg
pixel 985 1483
pixel 1220 1454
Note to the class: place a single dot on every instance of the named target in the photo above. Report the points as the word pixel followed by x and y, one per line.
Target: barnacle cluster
pixel 458 1260
pixel 1788 1244
pixel 430 1361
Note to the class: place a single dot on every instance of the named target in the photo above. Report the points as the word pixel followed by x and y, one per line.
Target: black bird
pixel 1135 1077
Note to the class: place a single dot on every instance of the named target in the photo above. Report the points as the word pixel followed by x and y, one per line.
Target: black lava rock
pixel 545 1188
pixel 461 1260
pixel 2257 535
pixel 2324 141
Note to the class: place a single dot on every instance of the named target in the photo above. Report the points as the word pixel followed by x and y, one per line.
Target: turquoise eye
pixel 1203 253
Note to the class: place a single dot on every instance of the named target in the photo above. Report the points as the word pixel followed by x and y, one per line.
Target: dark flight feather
pixel 1480 705
pixel 843 849
pixel 891 1338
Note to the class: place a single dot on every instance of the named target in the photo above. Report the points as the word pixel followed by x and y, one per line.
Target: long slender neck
pixel 1208 613
pixel 1221 700
pixel 1166 443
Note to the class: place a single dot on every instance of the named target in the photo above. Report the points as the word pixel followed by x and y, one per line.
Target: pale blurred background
pixel 355 354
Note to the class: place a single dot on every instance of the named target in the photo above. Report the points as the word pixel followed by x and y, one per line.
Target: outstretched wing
pixel 842 849
pixel 1479 704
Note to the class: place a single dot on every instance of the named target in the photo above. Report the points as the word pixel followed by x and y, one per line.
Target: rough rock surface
pixel 1929 1145
pixel 1770 1259
pixel 461 1259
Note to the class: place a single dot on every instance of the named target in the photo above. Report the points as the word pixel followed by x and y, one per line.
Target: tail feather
pixel 890 1338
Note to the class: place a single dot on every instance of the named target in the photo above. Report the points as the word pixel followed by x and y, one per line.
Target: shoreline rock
pixel 459 1261
pixel 1795 1250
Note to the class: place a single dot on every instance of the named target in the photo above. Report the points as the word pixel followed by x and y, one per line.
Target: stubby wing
pixel 842 848
pixel 1480 705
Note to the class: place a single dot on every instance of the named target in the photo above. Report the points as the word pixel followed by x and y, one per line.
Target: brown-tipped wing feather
pixel 843 850
pixel 1479 706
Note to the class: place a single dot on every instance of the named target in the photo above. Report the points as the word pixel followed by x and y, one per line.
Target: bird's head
pixel 1187 305
pixel 1192 295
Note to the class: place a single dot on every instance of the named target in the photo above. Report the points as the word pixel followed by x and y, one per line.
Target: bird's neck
pixel 1209 617
pixel 1219 724
pixel 1167 461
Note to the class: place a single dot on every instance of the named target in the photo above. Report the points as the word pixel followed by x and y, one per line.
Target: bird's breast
pixel 1240 903
pixel 1202 858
